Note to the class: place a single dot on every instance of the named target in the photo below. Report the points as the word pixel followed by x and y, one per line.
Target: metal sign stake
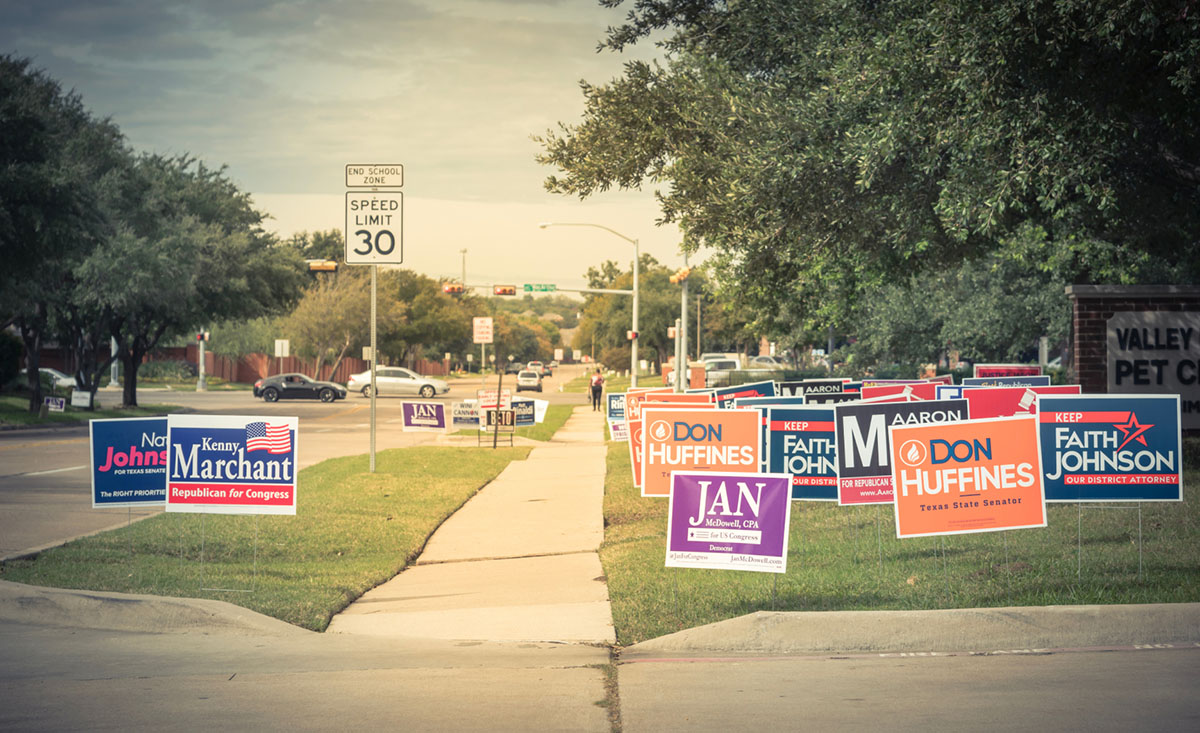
pixel 374 390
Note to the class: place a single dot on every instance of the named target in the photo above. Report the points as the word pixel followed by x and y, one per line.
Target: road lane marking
pixel 343 413
pixel 41 443
pixel 45 473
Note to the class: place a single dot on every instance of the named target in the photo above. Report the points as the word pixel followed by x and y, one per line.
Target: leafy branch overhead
pixel 823 149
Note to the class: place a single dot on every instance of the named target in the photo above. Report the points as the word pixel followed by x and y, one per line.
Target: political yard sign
pixel 423 417
pixel 800 443
pixel 689 439
pixel 728 521
pixel 1111 447
pixel 965 477
pixel 864 458
pixel 226 464
pixel 129 462
pixel 464 415
pixel 725 396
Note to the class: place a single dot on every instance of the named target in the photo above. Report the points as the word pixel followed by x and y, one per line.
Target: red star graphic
pixel 1133 430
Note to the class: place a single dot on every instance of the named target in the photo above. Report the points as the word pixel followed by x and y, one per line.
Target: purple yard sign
pixel 423 417
pixel 729 521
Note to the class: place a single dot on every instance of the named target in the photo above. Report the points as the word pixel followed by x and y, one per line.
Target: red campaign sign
pixel 1007 370
pixel 920 391
pixel 201 494
pixel 1007 401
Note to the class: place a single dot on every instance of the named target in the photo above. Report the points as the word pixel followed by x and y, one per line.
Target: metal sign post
pixel 374 236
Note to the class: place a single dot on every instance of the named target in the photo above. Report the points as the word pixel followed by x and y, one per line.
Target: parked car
pixel 717 372
pixel 297 387
pixel 529 379
pixel 397 381
pixel 767 362
pixel 514 367
pixel 57 379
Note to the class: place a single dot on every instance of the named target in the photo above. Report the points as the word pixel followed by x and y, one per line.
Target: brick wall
pixel 1093 305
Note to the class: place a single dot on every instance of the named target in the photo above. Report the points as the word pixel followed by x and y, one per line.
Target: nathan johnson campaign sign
pixel 965 477
pixel 690 439
pixel 225 464
pixel 1111 447
pixel 728 521
pixel 129 462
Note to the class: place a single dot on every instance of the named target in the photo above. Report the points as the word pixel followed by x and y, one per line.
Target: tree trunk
pixel 129 392
pixel 31 336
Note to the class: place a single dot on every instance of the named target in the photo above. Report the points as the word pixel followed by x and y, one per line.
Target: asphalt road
pixel 45 487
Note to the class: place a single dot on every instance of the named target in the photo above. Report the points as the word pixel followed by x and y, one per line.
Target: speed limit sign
pixel 374 228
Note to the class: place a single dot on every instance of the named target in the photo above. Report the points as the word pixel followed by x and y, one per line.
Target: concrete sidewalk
pixel 519 562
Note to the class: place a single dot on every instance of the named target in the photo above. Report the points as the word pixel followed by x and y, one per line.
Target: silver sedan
pixel 397 381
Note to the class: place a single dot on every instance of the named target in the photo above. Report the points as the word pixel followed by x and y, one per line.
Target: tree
pixel 55 159
pixel 824 149
pixel 189 251
pixel 428 317
pixel 334 317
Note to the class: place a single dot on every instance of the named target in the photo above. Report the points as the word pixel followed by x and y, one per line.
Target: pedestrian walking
pixel 597 390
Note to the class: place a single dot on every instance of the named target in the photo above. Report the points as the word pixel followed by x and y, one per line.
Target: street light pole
pixel 633 347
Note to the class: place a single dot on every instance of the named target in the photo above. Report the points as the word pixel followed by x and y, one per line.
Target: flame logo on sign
pixel 660 430
pixel 912 453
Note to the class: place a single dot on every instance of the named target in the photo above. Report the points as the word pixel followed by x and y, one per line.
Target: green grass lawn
pixel 848 558
pixel 14 410
pixel 352 531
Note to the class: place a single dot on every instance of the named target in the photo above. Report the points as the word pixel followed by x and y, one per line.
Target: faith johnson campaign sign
pixel 725 396
pixel 1111 447
pixel 129 462
pixel 801 443
pixel 728 521
pixel 423 417
pixel 229 464
pixel 690 439
pixel 965 477
pixel 864 459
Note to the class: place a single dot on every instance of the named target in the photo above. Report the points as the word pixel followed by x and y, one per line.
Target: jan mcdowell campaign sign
pixel 728 521
pixel 966 477
pixel 231 464
pixel 1111 447
pixel 129 462
pixel 689 439
pixel 423 417
pixel 864 458
pixel 801 443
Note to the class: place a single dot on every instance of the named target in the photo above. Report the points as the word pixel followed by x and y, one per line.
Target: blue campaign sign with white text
pixel 526 412
pixel 725 396
pixel 129 462
pixel 801 443
pixel 1111 447
pixel 616 407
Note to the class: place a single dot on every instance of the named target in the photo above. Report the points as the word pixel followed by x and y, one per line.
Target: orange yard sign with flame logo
pixel 970 476
pixel 690 439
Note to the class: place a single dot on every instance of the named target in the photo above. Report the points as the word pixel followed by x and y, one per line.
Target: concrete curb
pixel 58 607
pixel 949 630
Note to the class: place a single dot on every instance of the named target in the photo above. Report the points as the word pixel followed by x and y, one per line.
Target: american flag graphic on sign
pixel 271 438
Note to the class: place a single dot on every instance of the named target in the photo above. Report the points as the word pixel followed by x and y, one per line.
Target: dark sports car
pixel 297 387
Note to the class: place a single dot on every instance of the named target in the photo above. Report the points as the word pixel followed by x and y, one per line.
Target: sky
pixel 286 93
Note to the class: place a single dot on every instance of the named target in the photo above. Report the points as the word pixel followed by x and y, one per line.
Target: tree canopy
pixel 825 148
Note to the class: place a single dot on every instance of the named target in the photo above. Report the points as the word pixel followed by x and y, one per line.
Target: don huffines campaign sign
pixel 963 477
pixel 801 442
pixel 728 521
pixel 1111 447
pixel 690 439
pixel 129 462
pixel 225 464
pixel 864 459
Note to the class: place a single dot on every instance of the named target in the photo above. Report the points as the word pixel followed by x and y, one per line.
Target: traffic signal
pixel 322 265
pixel 504 290
pixel 202 336
pixel 631 335
pixel 452 288
pixel 680 275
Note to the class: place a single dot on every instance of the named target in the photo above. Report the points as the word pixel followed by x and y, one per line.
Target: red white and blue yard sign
pixel 227 464
pixel 1111 447
pixel 129 462
pixel 801 442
